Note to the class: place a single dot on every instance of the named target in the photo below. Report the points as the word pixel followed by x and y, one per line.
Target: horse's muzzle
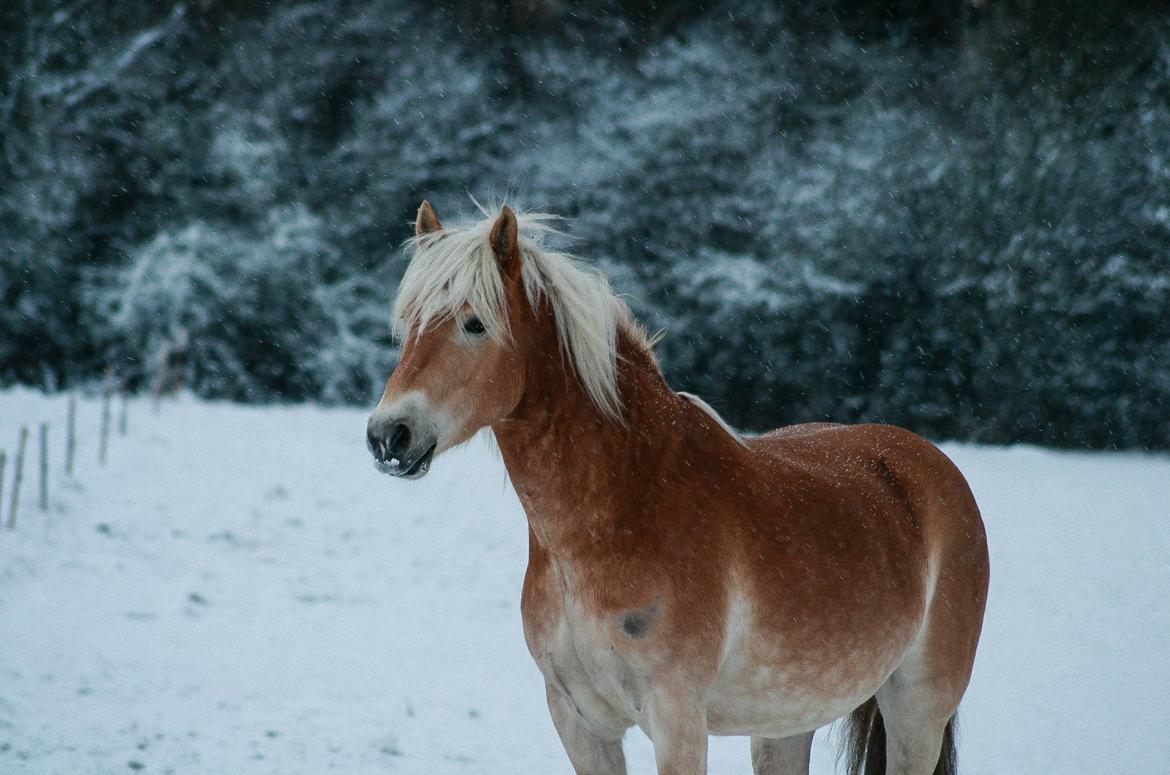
pixel 398 449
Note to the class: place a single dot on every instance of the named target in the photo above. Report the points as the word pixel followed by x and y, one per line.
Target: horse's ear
pixel 426 221
pixel 504 234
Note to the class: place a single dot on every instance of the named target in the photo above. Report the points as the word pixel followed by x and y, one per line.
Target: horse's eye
pixel 473 326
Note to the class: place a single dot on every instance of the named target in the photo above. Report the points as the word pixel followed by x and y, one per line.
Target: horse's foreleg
pixel 590 751
pixel 678 728
pixel 784 756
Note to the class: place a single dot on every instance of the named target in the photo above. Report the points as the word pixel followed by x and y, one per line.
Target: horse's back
pixel 894 455
pixel 798 431
pixel 830 436
pixel 882 463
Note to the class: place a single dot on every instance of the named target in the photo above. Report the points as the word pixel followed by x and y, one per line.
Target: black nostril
pixel 399 440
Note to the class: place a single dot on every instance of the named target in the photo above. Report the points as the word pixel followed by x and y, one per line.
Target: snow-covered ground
pixel 239 591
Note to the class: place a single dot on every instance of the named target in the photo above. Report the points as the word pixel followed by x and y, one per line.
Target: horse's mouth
pixel 420 466
pixel 415 470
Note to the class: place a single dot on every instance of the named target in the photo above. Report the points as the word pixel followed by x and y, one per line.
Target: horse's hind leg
pixel 782 756
pixel 919 700
pixel 914 732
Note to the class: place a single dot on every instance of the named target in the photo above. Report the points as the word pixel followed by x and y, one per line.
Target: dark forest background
pixel 953 215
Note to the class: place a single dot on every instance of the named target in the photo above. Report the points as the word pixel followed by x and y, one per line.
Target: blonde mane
pixel 453 267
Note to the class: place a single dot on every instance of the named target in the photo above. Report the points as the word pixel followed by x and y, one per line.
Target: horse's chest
pixel 582 652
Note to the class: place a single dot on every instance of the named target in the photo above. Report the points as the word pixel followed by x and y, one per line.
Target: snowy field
pixel 238 591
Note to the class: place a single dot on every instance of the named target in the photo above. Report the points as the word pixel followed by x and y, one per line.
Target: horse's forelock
pixel 456 267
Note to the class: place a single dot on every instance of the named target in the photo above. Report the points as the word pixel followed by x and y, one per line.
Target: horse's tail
pixel 865 743
pixel 865 740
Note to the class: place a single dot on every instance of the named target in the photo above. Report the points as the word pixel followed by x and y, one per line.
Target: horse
pixel 682 577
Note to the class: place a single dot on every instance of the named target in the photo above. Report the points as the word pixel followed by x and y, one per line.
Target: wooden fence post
pixel 17 475
pixel 43 500
pixel 70 434
pixel 160 381
pixel 3 468
pixel 104 440
pixel 123 413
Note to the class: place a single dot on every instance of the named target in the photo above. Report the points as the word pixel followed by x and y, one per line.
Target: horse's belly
pixel 779 712
pixel 770 687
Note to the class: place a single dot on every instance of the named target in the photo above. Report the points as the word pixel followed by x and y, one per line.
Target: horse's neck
pixel 571 465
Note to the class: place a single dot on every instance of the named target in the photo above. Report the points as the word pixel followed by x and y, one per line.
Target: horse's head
pixel 460 369
pixel 480 311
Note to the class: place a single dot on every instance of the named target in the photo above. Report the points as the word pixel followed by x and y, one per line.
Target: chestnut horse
pixel 681 577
